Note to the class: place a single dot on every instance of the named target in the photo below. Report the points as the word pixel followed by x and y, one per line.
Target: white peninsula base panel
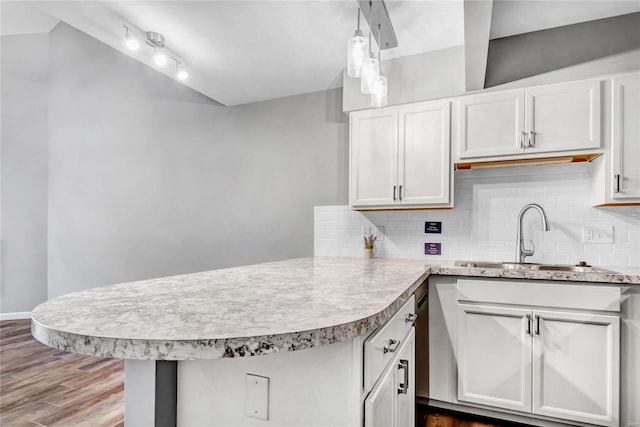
pixel 315 387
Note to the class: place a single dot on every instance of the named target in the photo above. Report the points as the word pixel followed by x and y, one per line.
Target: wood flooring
pixel 42 386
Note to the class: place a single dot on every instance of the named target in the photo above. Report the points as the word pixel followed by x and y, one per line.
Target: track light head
pixel 159 58
pixel 181 73
pixel 131 41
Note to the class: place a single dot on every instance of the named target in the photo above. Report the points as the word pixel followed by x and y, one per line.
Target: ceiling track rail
pixel 375 12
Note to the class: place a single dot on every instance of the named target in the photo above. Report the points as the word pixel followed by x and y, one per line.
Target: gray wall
pixel 430 75
pixel 148 178
pixel 530 54
pixel 561 54
pixel 112 172
pixel 23 172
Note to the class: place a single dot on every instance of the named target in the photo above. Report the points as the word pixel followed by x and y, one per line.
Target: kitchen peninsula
pixel 211 322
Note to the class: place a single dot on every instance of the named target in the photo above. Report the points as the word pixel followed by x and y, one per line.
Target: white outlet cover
pixel 597 234
pixel 256 397
pixel 376 230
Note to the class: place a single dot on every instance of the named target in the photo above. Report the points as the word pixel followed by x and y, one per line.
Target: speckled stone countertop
pixel 252 310
pixel 617 275
pixel 243 311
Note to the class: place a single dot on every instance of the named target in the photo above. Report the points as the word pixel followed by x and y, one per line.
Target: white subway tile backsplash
pixel 483 224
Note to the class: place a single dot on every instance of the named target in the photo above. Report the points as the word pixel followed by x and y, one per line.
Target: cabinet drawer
pixel 540 293
pixel 381 346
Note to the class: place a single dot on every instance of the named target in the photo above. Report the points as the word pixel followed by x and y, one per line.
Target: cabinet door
pixel 626 137
pixel 491 124
pixel 494 356
pixel 424 168
pixel 374 157
pixel 380 404
pixel 406 384
pixel 392 402
pixel 576 367
pixel 563 117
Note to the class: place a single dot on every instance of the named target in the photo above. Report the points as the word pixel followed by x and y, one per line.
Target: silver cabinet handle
pixel 390 347
pixel 531 139
pixel 537 324
pixel 528 324
pixel 522 134
pixel 404 386
pixel 394 193
pixel 400 192
pixel 411 317
pixel 616 177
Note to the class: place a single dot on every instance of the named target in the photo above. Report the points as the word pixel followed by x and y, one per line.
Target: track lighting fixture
pixel 160 53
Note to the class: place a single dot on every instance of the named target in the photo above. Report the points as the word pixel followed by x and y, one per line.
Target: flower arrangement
pixel 369 240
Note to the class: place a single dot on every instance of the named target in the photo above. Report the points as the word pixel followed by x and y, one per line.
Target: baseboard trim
pixel 15 316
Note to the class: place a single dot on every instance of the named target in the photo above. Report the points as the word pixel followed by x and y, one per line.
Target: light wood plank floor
pixel 42 386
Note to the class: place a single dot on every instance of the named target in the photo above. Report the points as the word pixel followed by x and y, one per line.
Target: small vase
pixel 370 252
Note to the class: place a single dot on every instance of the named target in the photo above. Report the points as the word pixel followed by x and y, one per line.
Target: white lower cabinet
pixel 542 349
pixel 391 402
pixel 576 366
pixel 494 356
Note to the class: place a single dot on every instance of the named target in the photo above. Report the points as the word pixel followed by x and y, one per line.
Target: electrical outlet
pixel 376 230
pixel 597 234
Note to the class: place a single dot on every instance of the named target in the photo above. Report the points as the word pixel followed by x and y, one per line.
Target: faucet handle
pixel 529 252
pixel 533 248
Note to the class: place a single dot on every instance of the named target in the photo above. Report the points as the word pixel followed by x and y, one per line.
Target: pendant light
pixel 379 95
pixel 370 68
pixel 357 48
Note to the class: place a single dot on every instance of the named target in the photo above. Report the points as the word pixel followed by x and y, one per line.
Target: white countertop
pixel 251 310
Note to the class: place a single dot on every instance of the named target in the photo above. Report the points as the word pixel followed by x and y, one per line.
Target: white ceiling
pixel 21 17
pixel 245 51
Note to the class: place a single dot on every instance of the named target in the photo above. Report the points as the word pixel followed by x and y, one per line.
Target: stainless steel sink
pixel 531 266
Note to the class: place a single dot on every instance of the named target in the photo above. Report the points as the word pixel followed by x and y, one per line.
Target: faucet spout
pixel 521 251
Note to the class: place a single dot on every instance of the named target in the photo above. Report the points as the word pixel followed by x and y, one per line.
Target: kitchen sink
pixel 532 266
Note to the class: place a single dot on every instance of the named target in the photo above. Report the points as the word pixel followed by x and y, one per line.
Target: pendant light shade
pixel 379 96
pixel 370 72
pixel 357 50
pixel 380 85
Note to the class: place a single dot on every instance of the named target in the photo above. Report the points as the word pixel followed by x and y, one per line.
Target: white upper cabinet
pixel 400 157
pixel 526 122
pixel 563 117
pixel 424 165
pixel 491 124
pixel 374 157
pixel 625 137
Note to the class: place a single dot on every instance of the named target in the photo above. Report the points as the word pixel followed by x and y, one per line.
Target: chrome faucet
pixel 521 251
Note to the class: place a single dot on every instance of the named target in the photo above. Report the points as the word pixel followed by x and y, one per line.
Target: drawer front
pixel 540 293
pixel 382 345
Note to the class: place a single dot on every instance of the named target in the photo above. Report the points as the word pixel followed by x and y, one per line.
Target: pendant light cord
pixel 379 43
pixel 370 22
